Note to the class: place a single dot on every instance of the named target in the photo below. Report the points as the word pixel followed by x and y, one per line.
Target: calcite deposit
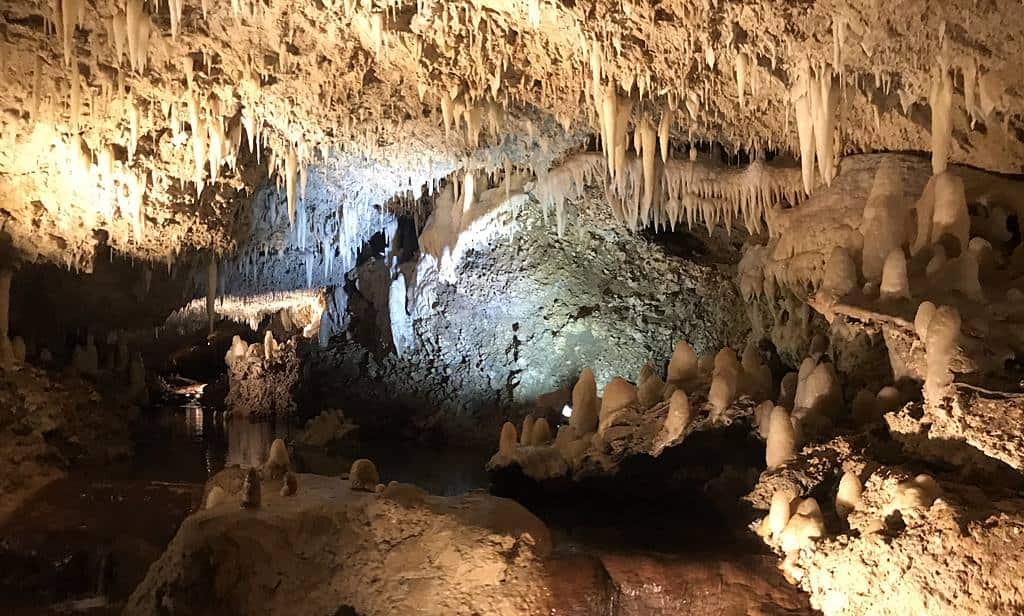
pixel 763 254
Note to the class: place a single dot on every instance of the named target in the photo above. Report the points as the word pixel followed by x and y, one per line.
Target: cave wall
pixel 523 318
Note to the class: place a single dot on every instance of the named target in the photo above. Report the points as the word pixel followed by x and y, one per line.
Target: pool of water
pixel 84 542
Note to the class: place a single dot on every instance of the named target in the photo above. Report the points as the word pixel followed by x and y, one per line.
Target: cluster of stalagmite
pixel 594 420
pixel 240 350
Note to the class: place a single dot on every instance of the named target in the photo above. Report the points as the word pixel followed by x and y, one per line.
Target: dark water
pixel 84 542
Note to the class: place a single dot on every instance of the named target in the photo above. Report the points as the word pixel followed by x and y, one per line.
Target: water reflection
pixel 189 441
pixel 194 419
pixel 249 442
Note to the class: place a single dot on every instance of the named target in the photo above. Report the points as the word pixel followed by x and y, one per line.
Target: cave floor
pixel 84 542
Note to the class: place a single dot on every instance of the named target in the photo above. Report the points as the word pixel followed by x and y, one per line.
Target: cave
pixel 511 307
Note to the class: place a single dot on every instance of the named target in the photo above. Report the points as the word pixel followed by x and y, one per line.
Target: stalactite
pixel 941 101
pixel 800 94
pixel 664 127
pixel 823 109
pixel 647 142
pixel 211 293
pixel 290 170
pixel 69 11
pixel 741 76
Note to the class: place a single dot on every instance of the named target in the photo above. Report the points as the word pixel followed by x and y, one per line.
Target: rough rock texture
pixel 977 424
pixel 261 387
pixel 525 317
pixel 666 586
pixel 49 423
pixel 781 278
pixel 401 551
pixel 957 555
pixel 630 432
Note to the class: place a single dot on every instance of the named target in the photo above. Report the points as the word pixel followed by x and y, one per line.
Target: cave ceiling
pixel 149 125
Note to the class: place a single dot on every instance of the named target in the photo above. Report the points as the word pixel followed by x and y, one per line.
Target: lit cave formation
pixel 511 307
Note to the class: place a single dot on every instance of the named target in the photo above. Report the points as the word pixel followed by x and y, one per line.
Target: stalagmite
pixel 895 284
pixel 211 293
pixel 787 389
pixel 277 463
pixel 526 434
pixel 675 422
pixel 806 525
pixel 888 399
pixel 289 484
pixel 541 432
pixel 941 101
pixel 925 312
pixel 269 346
pixel 363 475
pixel 617 394
pixel 965 277
pixel 818 400
pixel 725 381
pixel 914 495
pixel 848 496
pixel 683 365
pixel 251 493
pixel 236 351
pixel 936 265
pixel 781 444
pixel 215 497
pixel 649 391
pixel 756 381
pixel 940 346
pixel 884 214
pixel 508 440
pixel 778 513
pixel 761 414
pixel 18 349
pixel 950 216
pixel 840 276
pixel 584 403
